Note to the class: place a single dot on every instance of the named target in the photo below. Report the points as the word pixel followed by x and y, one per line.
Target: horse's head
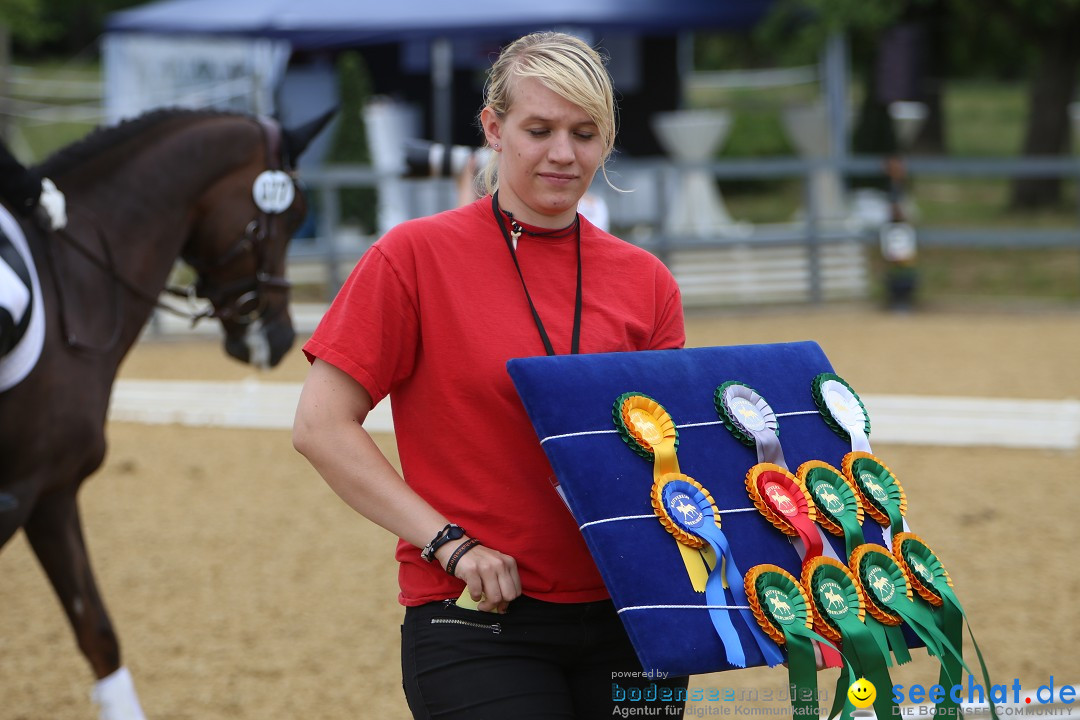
pixel 239 242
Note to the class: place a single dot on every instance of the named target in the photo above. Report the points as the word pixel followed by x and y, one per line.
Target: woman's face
pixel 549 150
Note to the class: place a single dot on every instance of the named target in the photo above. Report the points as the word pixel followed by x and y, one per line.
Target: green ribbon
pixel 836 600
pixel 783 604
pixel 926 570
pixel 885 586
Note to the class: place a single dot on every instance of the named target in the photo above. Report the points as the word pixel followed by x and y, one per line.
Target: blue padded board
pixel 569 399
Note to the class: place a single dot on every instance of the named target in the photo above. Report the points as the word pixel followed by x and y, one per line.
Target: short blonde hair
pixel 565 65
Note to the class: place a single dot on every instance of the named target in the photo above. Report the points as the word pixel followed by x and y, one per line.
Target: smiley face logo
pixel 862 693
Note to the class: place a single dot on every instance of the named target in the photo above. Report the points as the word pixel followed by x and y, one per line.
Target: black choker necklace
pixel 516 229
pixel 511 237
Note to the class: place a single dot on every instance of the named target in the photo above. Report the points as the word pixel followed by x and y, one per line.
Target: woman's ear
pixel 492 124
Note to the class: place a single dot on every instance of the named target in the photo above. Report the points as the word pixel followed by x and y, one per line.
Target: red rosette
pixel 779 496
pixel 785 503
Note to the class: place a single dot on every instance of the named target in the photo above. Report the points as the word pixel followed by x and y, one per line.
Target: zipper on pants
pixel 495 628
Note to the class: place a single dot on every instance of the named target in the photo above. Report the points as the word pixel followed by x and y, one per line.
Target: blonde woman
pixel 429 316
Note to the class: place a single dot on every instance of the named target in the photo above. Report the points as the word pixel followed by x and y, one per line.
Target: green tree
pixel 358 205
pixel 1049 29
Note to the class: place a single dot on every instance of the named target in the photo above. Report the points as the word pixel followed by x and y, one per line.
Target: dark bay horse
pixel 170 184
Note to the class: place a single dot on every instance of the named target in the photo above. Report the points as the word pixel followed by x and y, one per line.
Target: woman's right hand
pixel 491 577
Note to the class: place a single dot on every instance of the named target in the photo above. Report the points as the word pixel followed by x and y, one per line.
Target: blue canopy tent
pixel 342 23
pixel 415 47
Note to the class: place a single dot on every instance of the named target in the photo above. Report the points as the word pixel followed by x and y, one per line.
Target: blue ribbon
pixel 697 517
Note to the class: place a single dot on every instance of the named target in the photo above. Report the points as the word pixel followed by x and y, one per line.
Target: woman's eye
pixel 586 135
pixel 538 133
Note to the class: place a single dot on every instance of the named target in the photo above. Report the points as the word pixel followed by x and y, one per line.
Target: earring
pixel 495 146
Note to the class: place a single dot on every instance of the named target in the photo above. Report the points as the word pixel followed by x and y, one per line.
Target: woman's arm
pixel 328 431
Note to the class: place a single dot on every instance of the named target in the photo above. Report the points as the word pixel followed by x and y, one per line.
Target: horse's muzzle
pixel 260 345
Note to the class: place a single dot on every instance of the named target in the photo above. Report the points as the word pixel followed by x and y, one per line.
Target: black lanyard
pixel 575 338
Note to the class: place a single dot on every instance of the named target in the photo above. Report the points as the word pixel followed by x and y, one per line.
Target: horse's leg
pixel 16 502
pixel 55 533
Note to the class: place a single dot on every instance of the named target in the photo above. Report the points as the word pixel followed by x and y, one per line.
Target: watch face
pixel 454 533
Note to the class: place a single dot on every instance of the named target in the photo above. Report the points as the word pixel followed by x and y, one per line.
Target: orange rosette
pixel 647 428
pixel 685 538
pixel 880 491
pixel 921 566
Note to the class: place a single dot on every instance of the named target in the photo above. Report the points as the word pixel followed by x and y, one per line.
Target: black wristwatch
pixel 448 533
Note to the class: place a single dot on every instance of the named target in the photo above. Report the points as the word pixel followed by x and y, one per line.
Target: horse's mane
pixel 104 137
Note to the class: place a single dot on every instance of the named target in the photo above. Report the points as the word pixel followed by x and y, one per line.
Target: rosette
pixel 842 409
pixel 687 511
pixel 840 615
pixel 890 601
pixel 925 572
pixel 647 428
pixel 881 493
pixel 839 509
pixel 783 610
pixel 750 419
pixel 786 504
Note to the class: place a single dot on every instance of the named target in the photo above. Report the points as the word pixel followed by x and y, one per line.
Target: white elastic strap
pixel 115 695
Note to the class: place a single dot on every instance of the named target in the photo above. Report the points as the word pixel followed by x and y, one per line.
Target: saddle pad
pixel 17 364
pixel 569 399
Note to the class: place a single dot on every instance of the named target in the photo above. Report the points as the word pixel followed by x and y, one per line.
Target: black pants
pixel 538 660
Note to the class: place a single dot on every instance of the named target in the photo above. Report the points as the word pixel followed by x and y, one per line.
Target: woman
pixel 430 316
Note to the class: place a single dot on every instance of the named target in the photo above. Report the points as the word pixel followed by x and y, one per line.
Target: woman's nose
pixel 561 149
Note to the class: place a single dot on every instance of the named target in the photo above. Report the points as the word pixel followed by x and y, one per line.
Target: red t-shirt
pixel 430 315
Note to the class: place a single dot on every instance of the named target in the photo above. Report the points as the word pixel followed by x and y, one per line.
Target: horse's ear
pixel 297 139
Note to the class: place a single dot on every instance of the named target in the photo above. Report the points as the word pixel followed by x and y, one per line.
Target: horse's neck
pixel 145 197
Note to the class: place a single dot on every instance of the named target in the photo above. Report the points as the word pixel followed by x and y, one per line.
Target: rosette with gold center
pixel 840 616
pixel 785 503
pixel 839 509
pixel 647 429
pixel 750 419
pixel 687 511
pixel 881 493
pixel 842 409
pixel 925 572
pixel 784 611
pixel 890 601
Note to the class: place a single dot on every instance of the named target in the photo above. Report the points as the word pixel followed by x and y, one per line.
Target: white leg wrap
pixel 115 695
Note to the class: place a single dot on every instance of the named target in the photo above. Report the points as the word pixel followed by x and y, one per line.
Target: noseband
pixel 251 293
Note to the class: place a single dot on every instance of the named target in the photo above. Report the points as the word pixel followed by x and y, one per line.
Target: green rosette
pixel 840 616
pixel 889 598
pixel 931 581
pixel 839 508
pixel 841 407
pixel 881 493
pixel 784 611
pixel 630 435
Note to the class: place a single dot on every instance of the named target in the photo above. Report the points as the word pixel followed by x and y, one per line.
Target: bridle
pixel 250 301
pixel 251 293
